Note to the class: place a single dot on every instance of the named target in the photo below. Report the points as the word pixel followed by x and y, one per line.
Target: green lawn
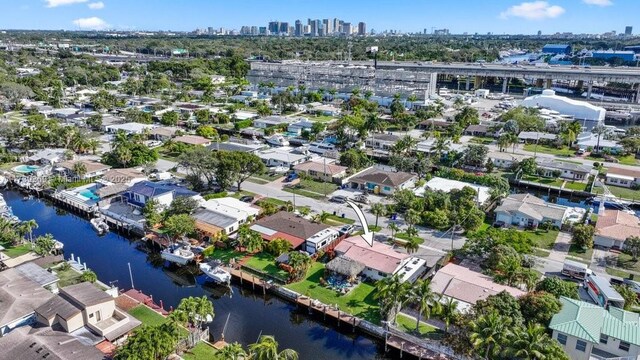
pixel 239 194
pixel 618 273
pixel 336 220
pixel 359 301
pixel 276 202
pixel 543 239
pixel 620 192
pixel 628 160
pixel 256 180
pixel 301 192
pixel 574 250
pixel 322 118
pixel 543 180
pixel 268 177
pixel 408 325
pixel 202 351
pixel 147 316
pixel 14 251
pixel 225 255
pixel 67 277
pixel 540 253
pixel 576 185
pixel 404 236
pixel 626 262
pixel 482 140
pixel 265 262
pixel 564 151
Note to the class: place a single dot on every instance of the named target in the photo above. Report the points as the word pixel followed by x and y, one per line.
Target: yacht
pixel 180 254
pixel 321 147
pixel 277 140
pixel 100 225
pixel 215 272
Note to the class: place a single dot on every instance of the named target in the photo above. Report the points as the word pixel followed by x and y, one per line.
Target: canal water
pixel 251 314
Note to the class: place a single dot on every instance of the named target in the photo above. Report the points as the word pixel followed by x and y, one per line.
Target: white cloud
pixel 598 2
pixel 56 3
pixel 96 5
pixel 536 10
pixel 91 23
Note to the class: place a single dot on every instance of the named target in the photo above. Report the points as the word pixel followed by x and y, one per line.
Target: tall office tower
pixel 346 28
pixel 254 30
pixel 322 31
pixel 309 21
pixel 245 30
pixel 274 27
pixel 210 30
pixel 314 28
pixel 326 24
pixel 362 29
pixel 628 31
pixel 262 30
pixel 539 32
pixel 298 31
pixel 306 29
pixel 335 25
pixel 284 28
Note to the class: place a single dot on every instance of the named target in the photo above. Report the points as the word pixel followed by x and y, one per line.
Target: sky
pixel 459 16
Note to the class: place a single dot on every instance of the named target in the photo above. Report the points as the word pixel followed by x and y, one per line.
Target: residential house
pixel 236 146
pixel 128 176
pixel 40 342
pixel 565 169
pixel 46 279
pixel 163 133
pixel 162 192
pixel 467 286
pixel 271 121
pixel 130 128
pixel 84 305
pixel 322 171
pixel 440 124
pixel 530 211
pixel 590 141
pixel 532 137
pixel 505 160
pixel 446 185
pixel 622 177
pixel 193 140
pixel 587 331
pixel 47 156
pixel 232 211
pixel 93 169
pixel 477 130
pixel 297 127
pixel 614 227
pixel 300 232
pixel 244 115
pixel 382 182
pixel 323 109
pixel 281 156
pixel 381 143
pixel 380 260
pixel 19 297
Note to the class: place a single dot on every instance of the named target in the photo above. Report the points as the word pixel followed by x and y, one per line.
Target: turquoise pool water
pixel 89 194
pixel 26 169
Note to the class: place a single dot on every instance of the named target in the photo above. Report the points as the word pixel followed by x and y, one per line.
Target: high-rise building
pixel 327 24
pixel 346 28
pixel 362 29
pixel 284 28
pixel 298 31
pixel 306 29
pixel 245 30
pixel 210 30
pixel 274 27
pixel 628 31
pixel 539 32
pixel 314 28
pixel 335 26
pixel 262 30
pixel 254 30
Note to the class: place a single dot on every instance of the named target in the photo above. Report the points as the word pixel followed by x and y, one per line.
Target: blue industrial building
pixel 557 49
pixel 611 54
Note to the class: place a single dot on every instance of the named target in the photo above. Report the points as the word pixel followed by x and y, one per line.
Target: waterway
pixel 251 314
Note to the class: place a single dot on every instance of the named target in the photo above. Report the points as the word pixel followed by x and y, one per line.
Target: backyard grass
pixel 404 236
pixel 564 151
pixel 67 277
pixel 202 351
pixel 624 193
pixel 265 262
pixel 626 262
pixel 359 301
pixel 543 239
pixel 408 325
pixel 225 255
pixel 577 251
pixel 15 250
pixel 147 316
pixel 576 185
pixel 543 180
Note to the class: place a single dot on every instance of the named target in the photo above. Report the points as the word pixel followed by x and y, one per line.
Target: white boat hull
pixel 217 274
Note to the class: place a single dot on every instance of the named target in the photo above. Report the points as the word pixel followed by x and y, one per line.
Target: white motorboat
pixel 3 181
pixel 321 147
pixel 215 272
pixel 277 140
pixel 180 254
pixel 100 225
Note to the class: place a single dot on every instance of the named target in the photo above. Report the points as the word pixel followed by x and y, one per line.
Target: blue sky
pixel 497 16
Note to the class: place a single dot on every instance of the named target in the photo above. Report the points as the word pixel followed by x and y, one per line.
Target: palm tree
pixel 394 229
pixel 599 130
pixel 422 295
pixel 392 293
pixel 412 217
pixel 373 123
pixel 447 312
pixel 267 349
pixel 232 351
pixel 304 211
pixel 300 263
pixel 487 331
pixel 378 210
pixel 45 244
pixel 194 310
pixel 411 246
pixel 28 226
pixel 80 169
pixel 253 242
pixel 530 343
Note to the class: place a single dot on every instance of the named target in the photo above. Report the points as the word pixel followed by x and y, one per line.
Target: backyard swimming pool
pixel 89 194
pixel 26 169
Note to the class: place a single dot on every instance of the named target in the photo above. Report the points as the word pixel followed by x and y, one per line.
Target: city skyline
pixel 512 17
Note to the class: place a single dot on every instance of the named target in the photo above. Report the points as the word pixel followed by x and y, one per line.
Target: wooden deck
pixel 147 300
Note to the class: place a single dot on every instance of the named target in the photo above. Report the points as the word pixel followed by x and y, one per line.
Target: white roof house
pixel 281 157
pixel 129 128
pixel 446 185
pixel 578 109
pixel 231 207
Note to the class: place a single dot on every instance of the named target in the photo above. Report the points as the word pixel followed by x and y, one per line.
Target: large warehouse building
pixel 580 110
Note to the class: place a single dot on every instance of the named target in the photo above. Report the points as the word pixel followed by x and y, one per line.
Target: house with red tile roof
pixel 614 227
pixel 296 230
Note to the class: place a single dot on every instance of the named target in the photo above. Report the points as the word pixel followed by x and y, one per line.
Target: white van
pixel 576 270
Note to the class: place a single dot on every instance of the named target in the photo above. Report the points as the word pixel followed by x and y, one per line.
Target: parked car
pixel 361 198
pixel 581 151
pixel 338 199
pixel 247 198
pixel 292 176
pixel 346 230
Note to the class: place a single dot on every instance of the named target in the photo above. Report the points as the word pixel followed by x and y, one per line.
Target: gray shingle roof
pixel 383 177
pixel 85 294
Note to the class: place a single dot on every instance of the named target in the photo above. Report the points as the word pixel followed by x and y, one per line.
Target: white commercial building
pixel 581 110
